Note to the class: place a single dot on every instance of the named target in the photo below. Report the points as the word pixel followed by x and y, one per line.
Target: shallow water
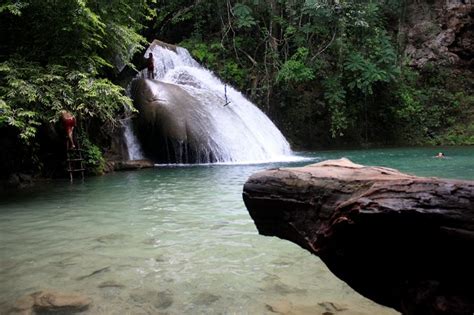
pixel 178 240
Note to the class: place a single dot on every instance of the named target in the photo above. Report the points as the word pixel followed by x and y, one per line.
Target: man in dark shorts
pixel 150 66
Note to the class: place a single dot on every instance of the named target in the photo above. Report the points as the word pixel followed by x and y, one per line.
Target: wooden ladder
pixel 75 162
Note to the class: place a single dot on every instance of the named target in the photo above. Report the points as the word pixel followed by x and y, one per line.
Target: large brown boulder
pixel 400 240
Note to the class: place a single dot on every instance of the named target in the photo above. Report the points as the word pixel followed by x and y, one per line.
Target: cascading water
pixel 223 127
pixel 133 145
pixel 134 149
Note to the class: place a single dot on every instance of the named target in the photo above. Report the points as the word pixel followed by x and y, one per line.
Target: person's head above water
pixel 440 155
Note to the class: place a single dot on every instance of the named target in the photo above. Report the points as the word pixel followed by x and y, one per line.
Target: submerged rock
pixel 205 298
pixel 94 273
pixel 400 240
pixel 158 300
pixel 50 301
pixel 24 305
pixel 110 284
pixel 129 165
pixel 324 308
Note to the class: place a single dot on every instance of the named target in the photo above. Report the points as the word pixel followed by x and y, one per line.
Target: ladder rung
pixel 76 170
pixel 74 160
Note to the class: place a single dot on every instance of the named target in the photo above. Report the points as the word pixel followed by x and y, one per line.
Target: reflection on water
pixel 178 240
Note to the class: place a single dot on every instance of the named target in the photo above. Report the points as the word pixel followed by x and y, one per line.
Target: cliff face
pixel 439 31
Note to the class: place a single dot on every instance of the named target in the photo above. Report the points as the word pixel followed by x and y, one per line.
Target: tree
pixel 57 54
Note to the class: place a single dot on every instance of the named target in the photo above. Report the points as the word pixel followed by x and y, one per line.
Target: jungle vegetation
pixel 329 73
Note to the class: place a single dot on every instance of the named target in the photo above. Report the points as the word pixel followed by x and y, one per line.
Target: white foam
pixel 236 131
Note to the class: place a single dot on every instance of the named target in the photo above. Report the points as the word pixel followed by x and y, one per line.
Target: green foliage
pixel 234 73
pixel 371 57
pixel 25 121
pixel 307 63
pixel 204 53
pixel 84 35
pixel 338 68
pixel 93 156
pixel 12 7
pixel 243 14
pixel 335 96
pixel 433 108
pixel 57 55
pixel 212 55
pixel 363 74
pixel 31 95
pixel 456 135
pixel 295 69
pixel 122 23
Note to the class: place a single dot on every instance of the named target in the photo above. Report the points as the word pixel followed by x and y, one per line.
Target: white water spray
pixel 237 131
pixel 134 148
pixel 133 145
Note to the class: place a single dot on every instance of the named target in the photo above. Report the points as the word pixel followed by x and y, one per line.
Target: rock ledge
pixel 400 240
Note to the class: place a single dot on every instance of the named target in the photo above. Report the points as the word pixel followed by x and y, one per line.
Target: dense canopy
pixel 327 72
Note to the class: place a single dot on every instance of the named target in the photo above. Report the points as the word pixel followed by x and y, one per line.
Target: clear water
pixel 178 240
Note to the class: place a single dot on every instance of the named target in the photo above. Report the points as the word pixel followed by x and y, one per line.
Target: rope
pixel 227 102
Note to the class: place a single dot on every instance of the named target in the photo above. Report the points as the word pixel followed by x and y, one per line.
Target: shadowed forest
pixel 328 73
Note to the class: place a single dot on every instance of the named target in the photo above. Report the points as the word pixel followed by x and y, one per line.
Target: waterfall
pixel 133 145
pixel 231 128
pixel 134 149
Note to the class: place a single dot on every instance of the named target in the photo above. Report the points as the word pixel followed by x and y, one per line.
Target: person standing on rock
pixel 150 66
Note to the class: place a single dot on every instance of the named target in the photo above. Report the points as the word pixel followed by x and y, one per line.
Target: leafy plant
pixel 295 69
pixel 335 96
pixel 243 14
pixel 93 156
pixel 31 95
pixel 52 61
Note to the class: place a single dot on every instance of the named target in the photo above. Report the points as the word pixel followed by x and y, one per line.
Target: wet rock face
pixel 439 31
pixel 168 126
pixel 18 181
pixel 124 165
pixel 400 240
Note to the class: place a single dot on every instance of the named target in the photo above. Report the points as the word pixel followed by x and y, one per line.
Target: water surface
pixel 178 240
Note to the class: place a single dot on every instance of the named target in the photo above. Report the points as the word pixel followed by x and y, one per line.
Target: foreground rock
pixel 49 301
pixel 400 240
